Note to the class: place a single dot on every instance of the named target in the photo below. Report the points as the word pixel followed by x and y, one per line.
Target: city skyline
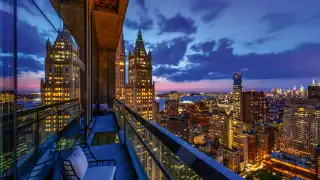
pixel 192 48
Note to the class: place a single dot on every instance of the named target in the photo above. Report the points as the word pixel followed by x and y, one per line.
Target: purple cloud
pixel 278 21
pixel 177 23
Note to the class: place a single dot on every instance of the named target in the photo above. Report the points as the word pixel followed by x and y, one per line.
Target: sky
pixel 195 45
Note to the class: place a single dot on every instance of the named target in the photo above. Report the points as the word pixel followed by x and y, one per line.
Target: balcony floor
pixel 117 151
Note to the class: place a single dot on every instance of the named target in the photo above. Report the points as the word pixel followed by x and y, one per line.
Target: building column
pixel 105 87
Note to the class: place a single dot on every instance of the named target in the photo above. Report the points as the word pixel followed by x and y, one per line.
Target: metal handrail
pixel 203 165
pixel 38 108
pixel 36 122
pixel 36 111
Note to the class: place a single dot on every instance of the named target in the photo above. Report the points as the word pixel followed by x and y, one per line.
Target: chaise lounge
pixel 77 166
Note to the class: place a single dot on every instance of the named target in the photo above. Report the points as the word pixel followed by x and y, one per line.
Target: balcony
pixel 141 149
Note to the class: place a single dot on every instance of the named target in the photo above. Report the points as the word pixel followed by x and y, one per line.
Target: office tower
pixel 235 130
pixel 62 81
pixel 301 128
pixel 314 91
pixel 140 88
pixel 172 104
pixel 250 148
pixel 254 108
pixel 219 125
pixel 236 95
pixel 120 70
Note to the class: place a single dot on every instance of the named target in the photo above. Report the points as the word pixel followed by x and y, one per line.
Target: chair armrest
pixel 99 163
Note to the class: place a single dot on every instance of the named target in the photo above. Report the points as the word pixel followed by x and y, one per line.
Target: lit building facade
pixel 300 134
pixel 6 140
pixel 236 95
pixel 219 126
pixel 120 70
pixel 231 159
pixel 254 108
pixel 314 91
pixel 235 127
pixel 140 88
pixel 172 104
pixel 62 81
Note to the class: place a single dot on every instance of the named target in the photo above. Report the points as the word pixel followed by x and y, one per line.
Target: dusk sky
pixel 196 45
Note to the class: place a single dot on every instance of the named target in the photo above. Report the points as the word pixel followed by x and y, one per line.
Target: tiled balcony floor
pixel 118 151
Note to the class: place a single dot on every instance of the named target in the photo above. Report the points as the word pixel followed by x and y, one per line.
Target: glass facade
pixel 39 72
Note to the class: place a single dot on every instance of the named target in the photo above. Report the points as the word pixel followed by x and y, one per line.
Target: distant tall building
pixel 235 126
pixel 62 81
pixel 172 104
pixel 251 148
pixel 236 95
pixel 254 108
pixel 140 88
pixel 314 91
pixel 120 70
pixel 301 130
pixel 219 126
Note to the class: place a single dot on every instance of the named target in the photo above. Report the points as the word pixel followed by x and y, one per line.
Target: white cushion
pixel 100 173
pixel 79 162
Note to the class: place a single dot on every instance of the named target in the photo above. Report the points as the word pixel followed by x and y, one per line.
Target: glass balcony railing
pixel 158 154
pixel 39 134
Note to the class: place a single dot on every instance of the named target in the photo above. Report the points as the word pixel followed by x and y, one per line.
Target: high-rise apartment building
pixel 140 88
pixel 172 104
pixel 120 70
pixel 253 108
pixel 301 130
pixel 62 81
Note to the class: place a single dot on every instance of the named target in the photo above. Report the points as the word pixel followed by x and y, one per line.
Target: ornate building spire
pixel 139 42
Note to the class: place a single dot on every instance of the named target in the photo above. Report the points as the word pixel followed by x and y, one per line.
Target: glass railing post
pixel 36 132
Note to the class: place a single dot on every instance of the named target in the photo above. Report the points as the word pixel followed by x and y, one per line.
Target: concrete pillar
pixel 106 77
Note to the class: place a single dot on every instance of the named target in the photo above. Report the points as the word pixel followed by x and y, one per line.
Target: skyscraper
pixel 301 131
pixel 120 70
pixel 140 88
pixel 253 108
pixel 236 95
pixel 172 103
pixel 62 81
pixel 314 91
pixel 235 130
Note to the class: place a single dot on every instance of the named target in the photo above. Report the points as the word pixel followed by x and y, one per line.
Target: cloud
pixel 142 4
pixel 209 9
pixel 262 40
pixel 25 63
pixel 30 40
pixel 170 52
pixel 144 24
pixel 278 21
pixel 221 63
pixel 204 47
pixel 27 81
pixel 177 23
